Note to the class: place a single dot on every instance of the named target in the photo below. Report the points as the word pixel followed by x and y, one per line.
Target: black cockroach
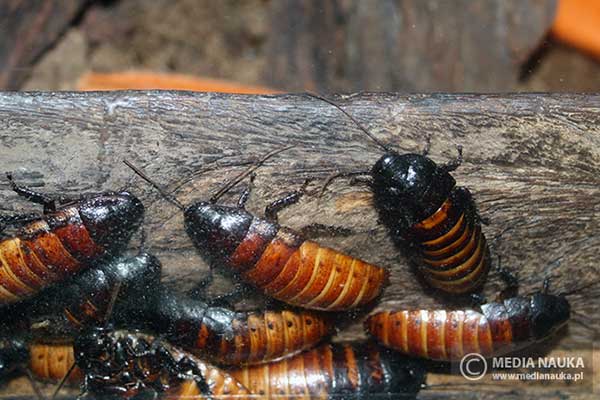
pixel 235 338
pixel 336 371
pixel 275 259
pixel 425 212
pixel 126 364
pixel 70 235
pixel 17 354
pixel 497 328
pixel 14 353
pixel 44 361
pixel 84 299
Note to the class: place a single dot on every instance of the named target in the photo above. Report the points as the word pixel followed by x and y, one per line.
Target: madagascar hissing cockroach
pixel 275 259
pixel 428 215
pixel 235 338
pixel 64 240
pixel 497 328
pixel 126 364
pixel 46 362
pixel 84 299
pixel 52 361
pixel 336 371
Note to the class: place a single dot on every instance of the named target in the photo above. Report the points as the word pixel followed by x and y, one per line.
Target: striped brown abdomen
pixel 51 362
pixel 303 273
pixel 454 256
pixel 255 337
pixel 221 384
pixel 445 335
pixel 46 251
pixel 334 371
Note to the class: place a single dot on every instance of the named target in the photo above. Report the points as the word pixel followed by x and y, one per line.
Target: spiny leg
pixel 17 220
pixel 509 278
pixel 275 207
pixel 36 197
pixel 245 195
pixel 346 174
pixel 319 230
pixel 361 180
pixel 452 165
pixel 48 201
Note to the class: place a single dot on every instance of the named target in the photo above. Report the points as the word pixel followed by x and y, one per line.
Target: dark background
pixel 295 45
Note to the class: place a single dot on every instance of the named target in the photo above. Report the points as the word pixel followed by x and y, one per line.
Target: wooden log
pixel 532 162
pixel 403 45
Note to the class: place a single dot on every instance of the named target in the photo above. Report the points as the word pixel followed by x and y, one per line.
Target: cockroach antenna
pixel 63 381
pixel 246 173
pixel 347 114
pixel 156 186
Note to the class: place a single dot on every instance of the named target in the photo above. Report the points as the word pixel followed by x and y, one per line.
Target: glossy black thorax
pixel 216 230
pixel 408 188
pixel 134 281
pixel 111 218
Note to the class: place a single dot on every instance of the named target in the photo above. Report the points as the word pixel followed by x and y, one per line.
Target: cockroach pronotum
pixel 126 364
pixel 336 371
pixel 275 259
pixel 428 215
pixel 64 240
pixel 235 338
pixel 498 328
pixel 85 298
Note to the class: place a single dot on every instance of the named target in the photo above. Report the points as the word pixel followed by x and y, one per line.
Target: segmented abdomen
pixel 46 251
pixel 333 371
pixel 254 337
pixel 221 384
pixel 51 362
pixel 454 256
pixel 301 272
pixel 444 335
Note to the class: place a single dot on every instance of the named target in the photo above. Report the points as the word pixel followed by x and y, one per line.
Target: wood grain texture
pixel 403 44
pixel 532 163
pixel 28 29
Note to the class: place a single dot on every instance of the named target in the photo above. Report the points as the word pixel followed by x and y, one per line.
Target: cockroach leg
pixel 319 230
pixel 17 220
pixel 455 163
pixel 246 192
pixel 275 207
pixel 47 201
pixel 361 180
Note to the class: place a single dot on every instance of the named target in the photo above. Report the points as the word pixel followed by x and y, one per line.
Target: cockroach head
pixel 111 218
pixel 216 230
pixel 548 313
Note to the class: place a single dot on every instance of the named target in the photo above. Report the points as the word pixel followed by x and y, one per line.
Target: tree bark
pixel 532 162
